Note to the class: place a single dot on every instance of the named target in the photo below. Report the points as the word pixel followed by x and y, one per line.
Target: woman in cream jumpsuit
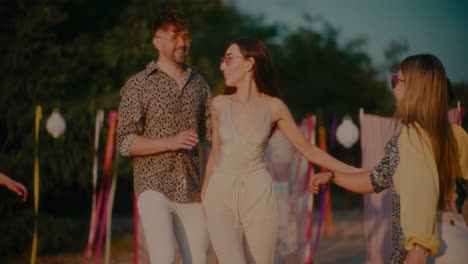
pixel 237 194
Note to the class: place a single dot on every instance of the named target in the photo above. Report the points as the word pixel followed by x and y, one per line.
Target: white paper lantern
pixel 347 132
pixel 55 124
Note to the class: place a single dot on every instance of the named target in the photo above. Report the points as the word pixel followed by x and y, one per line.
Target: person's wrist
pixel 170 143
pixel 8 181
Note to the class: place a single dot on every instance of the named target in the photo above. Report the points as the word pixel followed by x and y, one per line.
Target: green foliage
pixel 392 54
pixel 317 74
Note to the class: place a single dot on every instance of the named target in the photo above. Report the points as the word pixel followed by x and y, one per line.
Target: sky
pixel 439 27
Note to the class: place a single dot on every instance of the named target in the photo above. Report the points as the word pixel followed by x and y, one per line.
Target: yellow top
pixel 416 181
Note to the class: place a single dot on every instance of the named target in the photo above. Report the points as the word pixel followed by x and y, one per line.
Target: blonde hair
pixel 425 103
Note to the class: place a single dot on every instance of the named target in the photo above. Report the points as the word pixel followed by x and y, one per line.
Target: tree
pixel 393 53
pixel 318 74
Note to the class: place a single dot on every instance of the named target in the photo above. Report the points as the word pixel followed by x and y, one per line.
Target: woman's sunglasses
pixel 227 59
pixel 395 80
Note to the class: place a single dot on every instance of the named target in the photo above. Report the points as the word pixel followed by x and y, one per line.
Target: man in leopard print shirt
pixel 163 112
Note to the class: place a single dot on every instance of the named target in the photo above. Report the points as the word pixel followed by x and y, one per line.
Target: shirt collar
pixel 153 67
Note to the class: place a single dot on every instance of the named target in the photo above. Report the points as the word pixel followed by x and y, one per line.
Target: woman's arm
pixel 286 123
pixel 377 180
pixel 417 184
pixel 214 154
pixel 356 182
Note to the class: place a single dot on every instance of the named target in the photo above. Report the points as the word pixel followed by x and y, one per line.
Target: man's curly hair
pixel 170 17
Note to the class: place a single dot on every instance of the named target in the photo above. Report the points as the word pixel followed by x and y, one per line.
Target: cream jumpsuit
pixel 240 203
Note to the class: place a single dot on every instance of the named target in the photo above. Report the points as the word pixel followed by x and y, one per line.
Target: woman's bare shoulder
pixel 275 104
pixel 219 101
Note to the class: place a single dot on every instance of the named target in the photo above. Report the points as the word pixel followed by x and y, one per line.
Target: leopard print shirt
pixel 153 106
pixel 381 179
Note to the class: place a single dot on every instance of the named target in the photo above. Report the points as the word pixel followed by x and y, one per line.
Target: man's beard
pixel 179 58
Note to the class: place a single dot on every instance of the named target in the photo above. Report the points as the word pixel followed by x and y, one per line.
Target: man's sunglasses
pixel 186 38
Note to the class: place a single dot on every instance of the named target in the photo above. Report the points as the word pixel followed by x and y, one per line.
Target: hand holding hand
pixel 318 180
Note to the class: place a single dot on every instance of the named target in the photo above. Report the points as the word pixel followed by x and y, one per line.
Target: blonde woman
pixel 421 164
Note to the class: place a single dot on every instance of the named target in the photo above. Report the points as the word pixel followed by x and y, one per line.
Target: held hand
pixel 184 140
pixel 318 180
pixel 17 187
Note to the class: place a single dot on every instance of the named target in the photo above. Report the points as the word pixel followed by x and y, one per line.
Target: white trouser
pixel 453 235
pixel 165 222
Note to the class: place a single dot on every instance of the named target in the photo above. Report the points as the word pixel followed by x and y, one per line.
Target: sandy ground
pixel 346 246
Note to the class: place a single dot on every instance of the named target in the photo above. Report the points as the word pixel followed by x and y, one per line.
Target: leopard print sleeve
pixel 382 173
pixel 208 120
pixel 131 119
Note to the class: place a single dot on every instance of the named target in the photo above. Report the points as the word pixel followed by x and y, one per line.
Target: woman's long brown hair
pixel 426 103
pixel 264 74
